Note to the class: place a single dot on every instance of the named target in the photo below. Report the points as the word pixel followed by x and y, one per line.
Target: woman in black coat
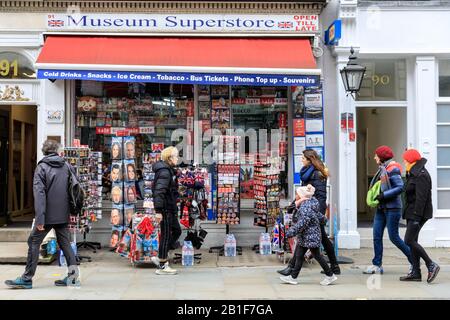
pixel 314 173
pixel 165 196
pixel 417 211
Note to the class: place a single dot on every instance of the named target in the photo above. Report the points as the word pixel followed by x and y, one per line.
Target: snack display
pixel 228 194
pixel 267 194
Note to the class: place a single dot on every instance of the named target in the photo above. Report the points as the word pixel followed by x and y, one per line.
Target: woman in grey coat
pixel 309 237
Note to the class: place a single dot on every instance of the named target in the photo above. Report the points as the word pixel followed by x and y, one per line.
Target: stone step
pixel 16 253
pixel 366 235
pixel 14 234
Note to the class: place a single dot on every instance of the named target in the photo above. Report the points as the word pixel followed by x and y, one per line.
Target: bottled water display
pixel 187 254
pixel 230 246
pixel 265 244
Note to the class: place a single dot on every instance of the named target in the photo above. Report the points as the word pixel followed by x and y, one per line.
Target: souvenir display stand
pixel 94 198
pixel 267 195
pixel 194 187
pixel 140 241
pixel 123 187
pixel 282 245
pixel 86 165
pixel 228 177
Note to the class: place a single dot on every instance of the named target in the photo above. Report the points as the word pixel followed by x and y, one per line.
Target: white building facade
pixel 405 93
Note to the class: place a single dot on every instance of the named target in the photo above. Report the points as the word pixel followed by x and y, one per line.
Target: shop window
pixel 255 109
pixel 444 78
pixel 15 66
pixel 150 112
pixel 385 80
pixel 443 156
pixel 443 178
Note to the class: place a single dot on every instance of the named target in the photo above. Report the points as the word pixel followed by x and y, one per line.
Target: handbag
pixel 372 194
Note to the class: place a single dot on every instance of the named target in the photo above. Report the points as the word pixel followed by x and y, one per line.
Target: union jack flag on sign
pixel 56 23
pixel 285 25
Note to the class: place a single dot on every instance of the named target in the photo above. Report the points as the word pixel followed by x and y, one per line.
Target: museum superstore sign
pixel 231 23
pixel 182 78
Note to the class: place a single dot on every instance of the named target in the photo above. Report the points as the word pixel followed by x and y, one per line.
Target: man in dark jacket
pixel 165 195
pixel 417 211
pixel 52 211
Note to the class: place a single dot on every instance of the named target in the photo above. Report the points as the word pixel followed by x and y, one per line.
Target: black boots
pixel 286 271
pixel 335 268
pixel 432 272
pixel 412 276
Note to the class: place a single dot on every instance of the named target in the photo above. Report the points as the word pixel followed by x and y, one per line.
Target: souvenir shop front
pixel 235 114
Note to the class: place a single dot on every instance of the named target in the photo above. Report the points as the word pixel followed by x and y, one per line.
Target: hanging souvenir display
pixel 140 240
pixel 194 188
pixel 267 194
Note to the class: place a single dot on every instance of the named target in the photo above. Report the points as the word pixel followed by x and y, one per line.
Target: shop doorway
pixel 22 139
pixel 375 127
pixel 4 133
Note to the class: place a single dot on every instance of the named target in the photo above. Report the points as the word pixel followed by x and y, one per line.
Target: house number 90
pixel 6 66
pixel 384 79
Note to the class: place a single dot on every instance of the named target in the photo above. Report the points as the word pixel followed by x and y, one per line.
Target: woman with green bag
pixel 372 195
pixel 386 197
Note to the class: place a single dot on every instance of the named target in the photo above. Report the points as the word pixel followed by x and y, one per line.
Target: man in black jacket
pixel 165 195
pixel 418 211
pixel 52 211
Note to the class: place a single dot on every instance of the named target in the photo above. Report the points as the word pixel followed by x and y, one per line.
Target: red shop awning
pixel 292 56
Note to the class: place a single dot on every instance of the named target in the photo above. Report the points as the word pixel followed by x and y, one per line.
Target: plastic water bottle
pixel 51 247
pixel 230 246
pixel 265 247
pixel 155 245
pixel 187 258
pixel 62 259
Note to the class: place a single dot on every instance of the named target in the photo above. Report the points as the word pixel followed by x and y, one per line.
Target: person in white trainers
pixel 165 195
pixel 307 230
pixel 389 209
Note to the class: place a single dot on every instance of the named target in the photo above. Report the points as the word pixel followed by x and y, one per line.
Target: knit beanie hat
pixel 306 192
pixel 384 153
pixel 412 155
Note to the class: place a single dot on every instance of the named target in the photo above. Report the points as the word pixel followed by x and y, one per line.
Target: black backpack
pixel 76 194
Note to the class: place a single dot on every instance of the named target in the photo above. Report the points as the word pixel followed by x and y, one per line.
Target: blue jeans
pixel 389 218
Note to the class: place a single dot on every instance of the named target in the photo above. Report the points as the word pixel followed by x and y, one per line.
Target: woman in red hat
pixel 418 210
pixel 389 209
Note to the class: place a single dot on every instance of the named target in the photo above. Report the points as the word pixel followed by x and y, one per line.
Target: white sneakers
pixel 166 270
pixel 373 269
pixel 328 280
pixel 289 279
pixel 325 282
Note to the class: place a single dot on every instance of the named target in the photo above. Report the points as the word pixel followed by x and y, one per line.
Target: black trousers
pixel 327 245
pixel 34 245
pixel 417 251
pixel 170 232
pixel 299 257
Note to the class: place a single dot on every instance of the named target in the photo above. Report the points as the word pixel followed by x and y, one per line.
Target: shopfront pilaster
pixel 348 235
pixel 425 124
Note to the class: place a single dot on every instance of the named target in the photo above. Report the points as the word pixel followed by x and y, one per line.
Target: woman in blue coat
pixel 389 210
pixel 316 174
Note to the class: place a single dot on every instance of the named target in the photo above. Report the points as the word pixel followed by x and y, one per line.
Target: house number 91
pixel 384 79
pixel 6 66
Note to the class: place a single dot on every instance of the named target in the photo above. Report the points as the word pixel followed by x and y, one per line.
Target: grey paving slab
pixel 112 278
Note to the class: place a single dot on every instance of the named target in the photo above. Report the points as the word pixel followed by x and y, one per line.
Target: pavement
pixel 250 276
